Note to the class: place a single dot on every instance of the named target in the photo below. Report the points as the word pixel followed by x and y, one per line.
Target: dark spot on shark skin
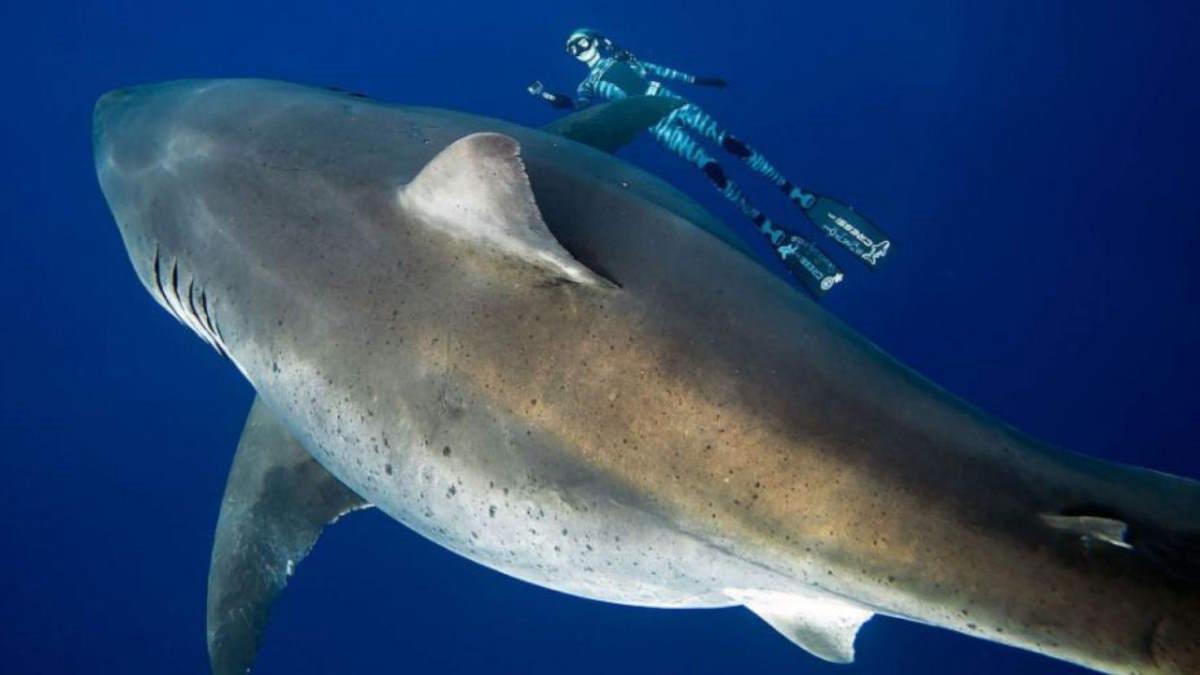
pixel 446 451
pixel 387 468
pixel 492 511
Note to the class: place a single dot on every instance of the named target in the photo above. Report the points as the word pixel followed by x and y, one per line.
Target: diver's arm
pixel 584 93
pixel 557 100
pixel 680 76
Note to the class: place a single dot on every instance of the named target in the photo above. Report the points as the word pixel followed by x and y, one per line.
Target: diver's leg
pixel 802 257
pixel 676 139
pixel 705 125
pixel 837 220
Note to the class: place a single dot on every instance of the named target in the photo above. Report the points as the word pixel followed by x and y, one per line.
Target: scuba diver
pixel 615 73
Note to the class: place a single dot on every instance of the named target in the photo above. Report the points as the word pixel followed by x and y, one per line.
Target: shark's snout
pixel 129 125
pixel 115 111
pixel 111 104
pixel 143 138
pixel 105 116
pixel 145 141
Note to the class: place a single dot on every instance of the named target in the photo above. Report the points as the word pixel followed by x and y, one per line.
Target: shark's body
pixel 615 404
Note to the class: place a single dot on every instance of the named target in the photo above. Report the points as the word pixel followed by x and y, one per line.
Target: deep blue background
pixel 1034 160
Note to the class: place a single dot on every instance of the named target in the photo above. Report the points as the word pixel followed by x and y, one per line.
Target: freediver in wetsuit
pixel 615 73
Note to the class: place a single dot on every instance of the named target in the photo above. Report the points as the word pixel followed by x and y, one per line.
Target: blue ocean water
pixel 1034 162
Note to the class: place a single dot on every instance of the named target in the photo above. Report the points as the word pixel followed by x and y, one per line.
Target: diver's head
pixel 587 45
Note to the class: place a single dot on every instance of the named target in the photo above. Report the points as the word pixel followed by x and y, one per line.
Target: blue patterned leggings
pixel 673 131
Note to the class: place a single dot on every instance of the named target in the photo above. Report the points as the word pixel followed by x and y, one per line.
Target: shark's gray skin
pixel 527 351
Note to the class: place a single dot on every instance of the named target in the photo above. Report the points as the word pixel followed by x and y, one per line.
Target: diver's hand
pixel 711 82
pixel 536 88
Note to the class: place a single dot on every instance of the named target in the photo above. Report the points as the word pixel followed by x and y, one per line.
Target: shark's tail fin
pixel 1160 518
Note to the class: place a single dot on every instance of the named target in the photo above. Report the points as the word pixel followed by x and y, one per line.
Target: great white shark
pixel 550 362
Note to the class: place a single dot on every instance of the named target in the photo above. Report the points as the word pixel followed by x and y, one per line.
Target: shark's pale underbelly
pixel 545 522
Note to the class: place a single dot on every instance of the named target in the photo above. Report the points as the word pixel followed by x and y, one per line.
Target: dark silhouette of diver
pixel 615 73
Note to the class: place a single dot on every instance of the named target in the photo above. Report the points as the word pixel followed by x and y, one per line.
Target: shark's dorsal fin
pixel 476 189
pixel 613 125
pixel 277 501
pixel 823 625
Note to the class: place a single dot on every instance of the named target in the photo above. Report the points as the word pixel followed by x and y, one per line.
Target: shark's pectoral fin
pixel 277 500
pixel 613 125
pixel 477 190
pixel 823 625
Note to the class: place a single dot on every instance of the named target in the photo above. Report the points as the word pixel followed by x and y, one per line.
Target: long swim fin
pixel 848 227
pixel 809 264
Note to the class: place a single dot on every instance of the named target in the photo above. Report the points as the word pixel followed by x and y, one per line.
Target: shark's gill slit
pixel 162 293
pixel 209 326
pixel 206 326
pixel 192 301
pixel 175 281
pixel 205 334
pixel 204 308
pixel 179 304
